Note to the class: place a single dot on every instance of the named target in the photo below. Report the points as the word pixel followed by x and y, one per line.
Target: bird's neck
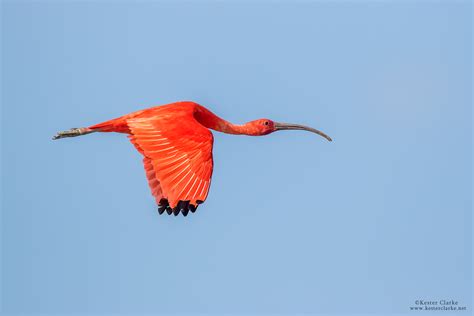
pixel 212 121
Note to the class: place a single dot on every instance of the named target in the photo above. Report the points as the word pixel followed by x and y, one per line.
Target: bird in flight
pixel 176 145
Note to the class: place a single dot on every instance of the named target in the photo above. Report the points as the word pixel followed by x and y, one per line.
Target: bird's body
pixel 176 144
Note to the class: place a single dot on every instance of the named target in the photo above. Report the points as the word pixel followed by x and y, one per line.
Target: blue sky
pixel 293 224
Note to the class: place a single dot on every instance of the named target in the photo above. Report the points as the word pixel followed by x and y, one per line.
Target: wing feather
pixel 177 157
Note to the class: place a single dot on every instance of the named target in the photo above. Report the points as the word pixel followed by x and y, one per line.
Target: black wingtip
pixel 175 211
pixel 162 206
pixel 161 209
pixel 183 207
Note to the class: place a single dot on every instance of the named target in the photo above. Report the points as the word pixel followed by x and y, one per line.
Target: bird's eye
pixel 266 123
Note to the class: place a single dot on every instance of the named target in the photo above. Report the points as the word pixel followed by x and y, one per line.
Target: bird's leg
pixel 73 132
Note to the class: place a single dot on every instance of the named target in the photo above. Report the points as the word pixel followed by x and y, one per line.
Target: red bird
pixel 176 144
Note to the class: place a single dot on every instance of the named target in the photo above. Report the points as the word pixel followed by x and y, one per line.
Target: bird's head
pixel 262 127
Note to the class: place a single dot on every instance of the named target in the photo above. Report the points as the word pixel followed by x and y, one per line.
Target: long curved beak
pixel 287 126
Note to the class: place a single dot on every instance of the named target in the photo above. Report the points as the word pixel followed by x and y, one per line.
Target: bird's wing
pixel 178 160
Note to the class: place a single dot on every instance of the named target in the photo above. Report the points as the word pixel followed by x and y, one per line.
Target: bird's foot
pixel 73 132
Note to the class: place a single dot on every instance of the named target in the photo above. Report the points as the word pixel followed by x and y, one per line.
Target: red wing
pixel 178 159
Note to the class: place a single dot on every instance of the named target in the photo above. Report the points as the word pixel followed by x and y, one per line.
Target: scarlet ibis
pixel 176 145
